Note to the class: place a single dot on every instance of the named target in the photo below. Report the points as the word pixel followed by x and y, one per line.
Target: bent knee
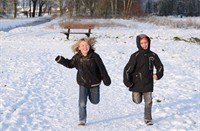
pixel 148 102
pixel 137 101
pixel 95 102
pixel 82 104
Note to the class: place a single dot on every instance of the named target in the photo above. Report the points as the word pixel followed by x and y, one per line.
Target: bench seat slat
pixel 78 26
pixel 76 33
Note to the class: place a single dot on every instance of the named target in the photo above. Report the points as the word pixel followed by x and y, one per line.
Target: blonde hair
pixel 91 42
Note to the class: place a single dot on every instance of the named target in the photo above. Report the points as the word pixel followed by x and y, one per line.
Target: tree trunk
pixel 115 15
pixel 114 8
pixel 41 4
pixel 15 8
pixel 77 7
pixel 127 8
pixel 92 7
pixel 124 10
pixel 40 10
pixel 61 7
pixel 30 11
pixel 34 7
pixel 70 8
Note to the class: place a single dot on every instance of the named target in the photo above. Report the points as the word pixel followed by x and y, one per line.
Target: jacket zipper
pixel 140 75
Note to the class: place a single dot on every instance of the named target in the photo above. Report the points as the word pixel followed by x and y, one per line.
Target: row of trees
pixel 101 8
pixel 173 7
pixel 5 9
pixel 28 7
pixel 92 8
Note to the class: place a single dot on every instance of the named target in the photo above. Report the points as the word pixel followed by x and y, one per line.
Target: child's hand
pixel 155 77
pixel 107 81
pixel 58 58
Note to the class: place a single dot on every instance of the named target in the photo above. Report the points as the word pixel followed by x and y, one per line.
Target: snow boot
pixel 148 122
pixel 81 123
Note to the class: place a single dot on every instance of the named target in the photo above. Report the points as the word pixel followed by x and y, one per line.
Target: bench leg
pixel 87 34
pixel 67 36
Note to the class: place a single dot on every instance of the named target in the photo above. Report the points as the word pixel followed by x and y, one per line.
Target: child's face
pixel 144 44
pixel 84 47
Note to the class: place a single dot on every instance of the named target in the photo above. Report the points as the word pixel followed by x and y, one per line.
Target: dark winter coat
pixel 91 69
pixel 138 72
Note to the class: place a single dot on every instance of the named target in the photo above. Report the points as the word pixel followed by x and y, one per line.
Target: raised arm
pixel 65 62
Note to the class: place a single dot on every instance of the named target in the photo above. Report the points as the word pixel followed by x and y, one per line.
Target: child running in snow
pixel 139 75
pixel 90 72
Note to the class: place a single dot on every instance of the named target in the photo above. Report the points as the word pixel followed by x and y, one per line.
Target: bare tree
pixel 148 7
pixel 34 7
pixel 41 4
pixel 9 7
pixel 127 8
pixel 30 9
pixel 137 8
pixel 113 7
pixel 91 5
pixel 2 7
pixel 103 8
pixel 15 8
pixel 70 7
pixel 194 8
pixel 63 6
pixel 77 6
pixel 48 6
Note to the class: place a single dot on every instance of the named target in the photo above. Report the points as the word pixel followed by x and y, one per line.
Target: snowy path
pixel 38 94
pixel 7 24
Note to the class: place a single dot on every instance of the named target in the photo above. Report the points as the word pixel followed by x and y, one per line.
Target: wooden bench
pixel 78 26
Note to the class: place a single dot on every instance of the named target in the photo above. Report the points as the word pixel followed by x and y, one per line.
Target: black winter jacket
pixel 91 69
pixel 138 72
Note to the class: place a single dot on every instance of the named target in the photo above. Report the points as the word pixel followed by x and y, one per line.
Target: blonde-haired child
pixel 90 72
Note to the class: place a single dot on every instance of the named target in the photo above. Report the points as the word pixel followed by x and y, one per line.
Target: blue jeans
pixel 137 98
pixel 94 97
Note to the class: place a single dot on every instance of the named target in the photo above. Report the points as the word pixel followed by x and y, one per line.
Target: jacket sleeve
pixel 65 62
pixel 104 74
pixel 159 67
pixel 128 70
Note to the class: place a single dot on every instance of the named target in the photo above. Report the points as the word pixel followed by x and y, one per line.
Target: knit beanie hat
pixel 144 38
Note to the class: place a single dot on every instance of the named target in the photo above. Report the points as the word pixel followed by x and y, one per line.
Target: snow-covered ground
pixel 36 93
